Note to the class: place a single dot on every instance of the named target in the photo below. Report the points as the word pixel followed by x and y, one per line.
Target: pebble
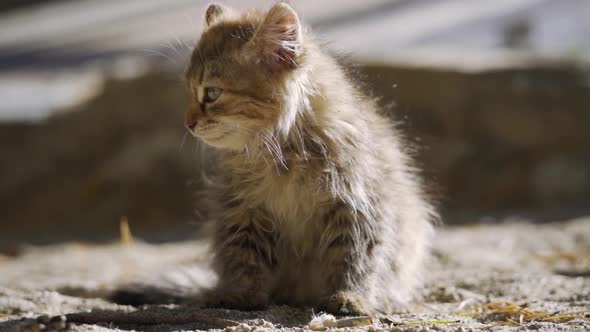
pixel 57 323
pixel 43 319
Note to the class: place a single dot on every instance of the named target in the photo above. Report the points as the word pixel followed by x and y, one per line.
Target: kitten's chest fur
pixel 292 194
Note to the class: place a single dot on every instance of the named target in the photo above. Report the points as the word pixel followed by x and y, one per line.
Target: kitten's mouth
pixel 204 134
pixel 211 137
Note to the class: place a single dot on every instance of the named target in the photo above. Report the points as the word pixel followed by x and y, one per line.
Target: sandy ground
pixel 540 267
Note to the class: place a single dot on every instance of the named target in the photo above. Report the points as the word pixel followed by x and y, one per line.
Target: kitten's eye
pixel 212 94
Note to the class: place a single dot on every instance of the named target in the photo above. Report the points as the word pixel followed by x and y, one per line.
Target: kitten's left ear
pixel 214 13
pixel 278 39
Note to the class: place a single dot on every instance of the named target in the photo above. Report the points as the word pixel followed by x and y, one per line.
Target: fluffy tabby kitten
pixel 318 203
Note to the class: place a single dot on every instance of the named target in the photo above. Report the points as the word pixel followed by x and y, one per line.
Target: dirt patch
pixel 494 277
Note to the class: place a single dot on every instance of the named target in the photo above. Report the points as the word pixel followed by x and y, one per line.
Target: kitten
pixel 318 202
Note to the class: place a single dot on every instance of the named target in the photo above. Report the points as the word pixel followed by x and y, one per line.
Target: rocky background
pixel 92 122
pixel 501 138
pixel 508 139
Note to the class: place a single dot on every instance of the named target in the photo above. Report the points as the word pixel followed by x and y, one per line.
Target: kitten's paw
pixel 345 304
pixel 243 301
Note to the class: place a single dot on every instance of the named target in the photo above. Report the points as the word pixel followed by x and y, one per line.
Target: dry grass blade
pixel 426 322
pixel 509 313
pixel 570 257
pixel 354 322
pixel 125 232
pixel 327 321
pixel 395 322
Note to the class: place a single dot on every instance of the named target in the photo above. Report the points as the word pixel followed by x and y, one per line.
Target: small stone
pixel 57 323
pixel 43 319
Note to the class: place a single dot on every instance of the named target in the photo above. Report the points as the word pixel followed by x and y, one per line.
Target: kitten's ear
pixel 214 13
pixel 278 39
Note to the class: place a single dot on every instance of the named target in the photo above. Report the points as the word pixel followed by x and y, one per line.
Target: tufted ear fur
pixel 278 39
pixel 214 13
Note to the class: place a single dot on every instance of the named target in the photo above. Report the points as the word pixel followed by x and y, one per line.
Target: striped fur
pixel 318 202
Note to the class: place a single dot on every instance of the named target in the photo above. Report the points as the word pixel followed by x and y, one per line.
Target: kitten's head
pixel 239 75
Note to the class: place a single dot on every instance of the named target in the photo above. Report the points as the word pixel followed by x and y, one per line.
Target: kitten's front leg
pixel 347 244
pixel 244 259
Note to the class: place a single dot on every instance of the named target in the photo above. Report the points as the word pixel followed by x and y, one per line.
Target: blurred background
pixel 495 95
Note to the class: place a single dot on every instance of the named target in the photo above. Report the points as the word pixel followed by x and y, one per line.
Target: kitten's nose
pixel 190 118
pixel 190 124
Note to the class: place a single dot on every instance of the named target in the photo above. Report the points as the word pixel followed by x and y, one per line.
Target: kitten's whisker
pixel 172 48
pixel 182 44
pixel 158 53
pixel 183 141
pixel 197 149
